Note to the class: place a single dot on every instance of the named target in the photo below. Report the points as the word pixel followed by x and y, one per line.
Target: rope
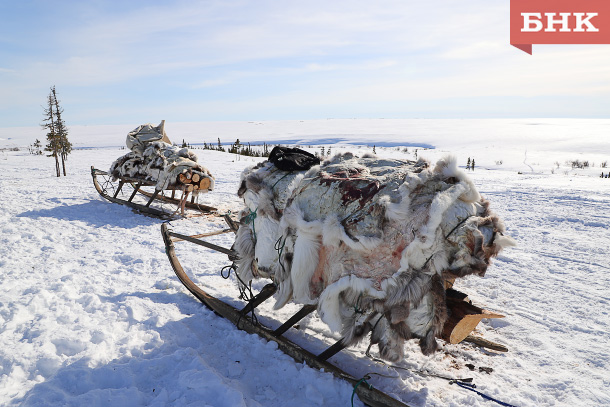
pixel 485 396
pixel 359 383
pixel 465 383
pixel 245 291
pixel 249 218
pixel 279 247
pixel 276 182
pixel 458 225
pixel 368 377
pixel 420 372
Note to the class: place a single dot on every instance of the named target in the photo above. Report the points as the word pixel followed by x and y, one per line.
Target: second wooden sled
pixel 153 202
pixel 369 396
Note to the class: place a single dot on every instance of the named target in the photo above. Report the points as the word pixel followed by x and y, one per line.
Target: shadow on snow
pixel 201 359
pixel 95 213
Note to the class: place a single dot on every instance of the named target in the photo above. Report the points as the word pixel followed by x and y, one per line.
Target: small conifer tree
pixel 52 146
pixel 58 145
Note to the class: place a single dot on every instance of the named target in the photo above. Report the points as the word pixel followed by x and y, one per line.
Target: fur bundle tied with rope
pixel 370 241
pixel 154 158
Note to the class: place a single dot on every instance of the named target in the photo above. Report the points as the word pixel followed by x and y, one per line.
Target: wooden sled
pixel 167 204
pixel 464 317
pixel 370 396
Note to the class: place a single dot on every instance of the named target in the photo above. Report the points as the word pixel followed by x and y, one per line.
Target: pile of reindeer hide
pixel 153 158
pixel 371 241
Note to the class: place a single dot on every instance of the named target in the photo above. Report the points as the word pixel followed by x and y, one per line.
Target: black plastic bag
pixel 292 159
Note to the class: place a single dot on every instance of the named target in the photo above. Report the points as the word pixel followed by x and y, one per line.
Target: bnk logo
pixel 559 22
pixel 532 22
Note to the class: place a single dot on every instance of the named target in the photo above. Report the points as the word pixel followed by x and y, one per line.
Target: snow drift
pixel 371 241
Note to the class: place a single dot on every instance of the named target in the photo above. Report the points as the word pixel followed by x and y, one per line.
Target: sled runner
pixel 164 204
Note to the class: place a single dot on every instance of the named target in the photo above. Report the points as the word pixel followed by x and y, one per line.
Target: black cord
pixel 245 292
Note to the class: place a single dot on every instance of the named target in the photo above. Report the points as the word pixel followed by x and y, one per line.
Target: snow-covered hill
pixel 92 314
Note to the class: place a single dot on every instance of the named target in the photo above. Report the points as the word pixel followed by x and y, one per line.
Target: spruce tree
pixel 52 146
pixel 65 147
pixel 37 148
pixel 58 145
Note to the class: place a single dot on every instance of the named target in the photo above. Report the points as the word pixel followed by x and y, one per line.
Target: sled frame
pixel 111 191
pixel 368 395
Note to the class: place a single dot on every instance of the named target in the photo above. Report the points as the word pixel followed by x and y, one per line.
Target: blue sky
pixel 120 62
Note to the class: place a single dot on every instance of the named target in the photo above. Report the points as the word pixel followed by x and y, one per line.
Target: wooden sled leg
pixel 303 312
pixel 259 298
pixel 152 198
pixel 332 350
pixel 121 183
pixel 135 191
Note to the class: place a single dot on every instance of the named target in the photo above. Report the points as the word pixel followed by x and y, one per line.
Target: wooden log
pixel 463 317
pixel 189 175
pixel 477 340
pixel 189 187
pixel 195 178
pixel 205 183
pixel 182 178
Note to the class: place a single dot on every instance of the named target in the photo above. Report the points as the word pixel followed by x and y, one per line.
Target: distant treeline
pixel 237 148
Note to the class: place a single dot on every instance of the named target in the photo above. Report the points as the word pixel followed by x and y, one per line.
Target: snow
pixel 92 314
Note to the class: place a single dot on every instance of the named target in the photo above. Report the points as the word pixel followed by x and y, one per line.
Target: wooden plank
pixel 266 293
pixel 332 350
pixel 463 317
pixel 228 252
pixel 303 312
pixel 198 206
pixel 477 340
pixel 218 232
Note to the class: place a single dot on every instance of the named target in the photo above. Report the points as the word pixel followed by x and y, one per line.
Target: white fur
pixel 399 211
pixel 267 233
pixel 420 318
pixel 304 263
pixel 503 241
pixel 417 252
pixel 329 304
pixel 449 168
pixel 306 256
pixel 334 233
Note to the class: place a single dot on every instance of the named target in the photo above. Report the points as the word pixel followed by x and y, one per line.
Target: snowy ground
pixel 92 314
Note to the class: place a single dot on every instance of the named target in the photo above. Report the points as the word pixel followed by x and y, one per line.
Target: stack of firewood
pixel 193 181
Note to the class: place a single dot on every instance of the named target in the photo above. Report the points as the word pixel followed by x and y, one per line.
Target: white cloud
pixel 316 53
